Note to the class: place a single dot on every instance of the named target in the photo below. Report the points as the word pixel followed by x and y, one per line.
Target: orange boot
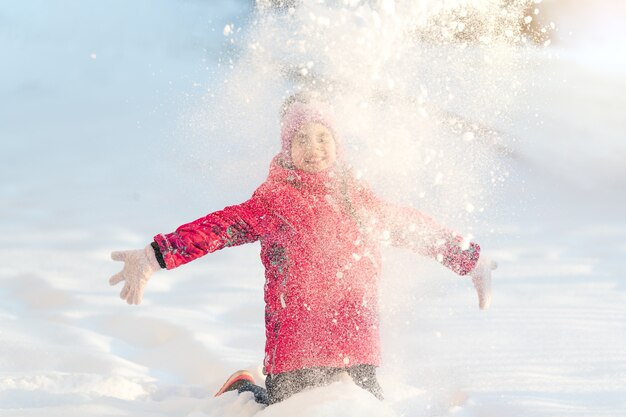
pixel 235 381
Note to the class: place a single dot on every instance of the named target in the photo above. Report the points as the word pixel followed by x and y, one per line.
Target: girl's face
pixel 313 148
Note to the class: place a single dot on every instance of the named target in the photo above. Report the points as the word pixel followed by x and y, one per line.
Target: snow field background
pixel 106 113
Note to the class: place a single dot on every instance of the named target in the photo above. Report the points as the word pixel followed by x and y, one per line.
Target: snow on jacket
pixel 320 235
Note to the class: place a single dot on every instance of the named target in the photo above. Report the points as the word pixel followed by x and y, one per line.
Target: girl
pixel 320 231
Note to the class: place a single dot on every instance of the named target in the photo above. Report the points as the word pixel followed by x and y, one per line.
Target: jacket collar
pixel 318 181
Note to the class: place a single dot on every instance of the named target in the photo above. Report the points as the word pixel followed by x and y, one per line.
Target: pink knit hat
pixel 297 115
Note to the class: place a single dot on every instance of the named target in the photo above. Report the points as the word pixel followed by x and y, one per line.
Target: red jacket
pixel 320 236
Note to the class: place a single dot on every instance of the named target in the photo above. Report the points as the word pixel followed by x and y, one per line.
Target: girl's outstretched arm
pixel 410 228
pixel 232 226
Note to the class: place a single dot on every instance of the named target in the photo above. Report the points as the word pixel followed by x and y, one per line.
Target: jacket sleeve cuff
pixel 461 261
pixel 158 255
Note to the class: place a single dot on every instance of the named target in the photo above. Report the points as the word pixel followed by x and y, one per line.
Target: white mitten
pixel 139 265
pixel 481 277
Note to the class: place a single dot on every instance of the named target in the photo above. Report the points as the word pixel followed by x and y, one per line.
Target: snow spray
pixel 421 91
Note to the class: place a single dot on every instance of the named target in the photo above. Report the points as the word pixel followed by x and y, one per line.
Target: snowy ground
pixel 89 164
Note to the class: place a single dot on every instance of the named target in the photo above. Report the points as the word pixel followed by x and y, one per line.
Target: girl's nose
pixel 310 147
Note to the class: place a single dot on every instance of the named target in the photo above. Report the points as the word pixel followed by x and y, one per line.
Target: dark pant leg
pixel 284 385
pixel 365 377
pixel 260 393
